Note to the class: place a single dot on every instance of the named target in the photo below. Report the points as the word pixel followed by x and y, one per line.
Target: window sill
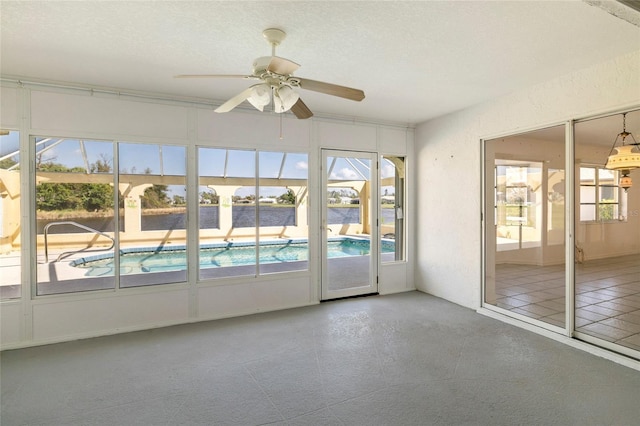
pixel 603 222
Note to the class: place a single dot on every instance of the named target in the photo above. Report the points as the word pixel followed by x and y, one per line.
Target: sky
pixel 9 143
pixel 136 158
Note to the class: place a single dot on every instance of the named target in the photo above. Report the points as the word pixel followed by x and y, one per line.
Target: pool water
pixel 220 255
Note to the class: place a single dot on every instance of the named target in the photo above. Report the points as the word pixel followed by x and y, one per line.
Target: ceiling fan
pixel 278 83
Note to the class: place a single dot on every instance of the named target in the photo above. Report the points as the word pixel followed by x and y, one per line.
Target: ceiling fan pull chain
pixel 281 136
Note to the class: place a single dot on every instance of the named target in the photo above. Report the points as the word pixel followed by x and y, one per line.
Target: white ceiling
pixel 414 60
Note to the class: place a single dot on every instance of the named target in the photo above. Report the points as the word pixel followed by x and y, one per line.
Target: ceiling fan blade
pixel 282 66
pixel 215 76
pixel 331 89
pixel 300 110
pixel 235 101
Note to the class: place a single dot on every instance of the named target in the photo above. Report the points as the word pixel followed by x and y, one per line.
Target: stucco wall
pixel 447 155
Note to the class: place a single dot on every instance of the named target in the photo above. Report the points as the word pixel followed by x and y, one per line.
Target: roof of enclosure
pixel 92 161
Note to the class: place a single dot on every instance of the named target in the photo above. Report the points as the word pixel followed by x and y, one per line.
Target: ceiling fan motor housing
pixel 260 65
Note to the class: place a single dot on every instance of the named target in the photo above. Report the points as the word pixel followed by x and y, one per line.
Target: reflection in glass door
pixel 349 224
pixel 525 225
pixel 607 238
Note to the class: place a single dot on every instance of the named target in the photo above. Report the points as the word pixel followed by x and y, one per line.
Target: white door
pixel 349 224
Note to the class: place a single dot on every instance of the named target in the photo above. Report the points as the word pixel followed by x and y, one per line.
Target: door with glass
pixel 349 224
pixel 525 273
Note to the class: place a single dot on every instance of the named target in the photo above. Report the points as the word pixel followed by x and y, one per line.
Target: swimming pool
pixel 163 259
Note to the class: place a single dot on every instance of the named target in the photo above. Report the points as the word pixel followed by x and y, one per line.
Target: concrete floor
pixel 404 359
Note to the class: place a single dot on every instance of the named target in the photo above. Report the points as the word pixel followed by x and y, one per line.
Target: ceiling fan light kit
pixel 260 96
pixel 278 83
pixel 284 98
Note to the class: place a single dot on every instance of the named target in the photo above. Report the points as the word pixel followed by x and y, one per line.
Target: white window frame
pixel 621 199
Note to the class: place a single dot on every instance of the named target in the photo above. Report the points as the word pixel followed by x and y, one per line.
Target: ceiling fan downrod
pixel 274 36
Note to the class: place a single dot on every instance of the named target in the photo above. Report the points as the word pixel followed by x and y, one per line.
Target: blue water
pixel 217 256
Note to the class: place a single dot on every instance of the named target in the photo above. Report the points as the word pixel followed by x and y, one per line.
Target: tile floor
pixel 607 296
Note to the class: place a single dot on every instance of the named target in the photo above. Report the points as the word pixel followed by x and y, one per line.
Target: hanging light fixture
pixel 627 156
pixel 284 98
pixel 260 96
pixel 625 180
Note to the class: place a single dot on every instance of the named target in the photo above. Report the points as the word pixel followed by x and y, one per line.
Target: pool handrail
pixel 77 225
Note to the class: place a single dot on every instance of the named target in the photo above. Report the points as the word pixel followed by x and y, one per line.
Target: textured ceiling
pixel 414 60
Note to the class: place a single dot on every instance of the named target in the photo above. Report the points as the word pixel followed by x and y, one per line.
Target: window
pixel 10 216
pixel 600 195
pixel 392 208
pixel 282 204
pixel 517 204
pixel 153 243
pixel 75 207
pixel 260 206
pixel 524 224
pixel 105 224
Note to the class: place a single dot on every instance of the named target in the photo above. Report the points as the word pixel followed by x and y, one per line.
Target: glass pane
pixel 74 201
pixel 244 207
pixel 608 212
pixel 296 166
pixel 607 267
pixel 348 230
pixel 587 194
pixel 525 225
pixel 240 163
pixel 555 207
pixel 136 159
pixel 210 167
pixel 516 176
pixel 270 164
pixel 587 176
pixel 347 169
pixel 277 208
pixel 10 258
pixel 282 209
pixel 153 246
pixel 343 207
pixel 607 177
pixel 209 207
pixel 170 166
pixel 211 162
pixel 608 194
pixel 227 214
pixel 587 212
pixel 392 179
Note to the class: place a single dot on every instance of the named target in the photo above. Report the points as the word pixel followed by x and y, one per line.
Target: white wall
pixel 83 114
pixel 447 155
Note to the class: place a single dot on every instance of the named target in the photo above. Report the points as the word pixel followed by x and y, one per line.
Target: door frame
pixel 374 236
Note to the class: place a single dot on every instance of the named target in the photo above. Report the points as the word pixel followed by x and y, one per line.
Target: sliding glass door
pixel 607 235
pixel 589 289
pixel 525 270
